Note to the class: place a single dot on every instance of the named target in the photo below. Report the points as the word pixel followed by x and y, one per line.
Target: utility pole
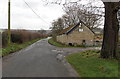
pixel 9 33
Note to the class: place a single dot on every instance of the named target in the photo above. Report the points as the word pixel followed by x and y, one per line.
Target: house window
pixel 80 30
pixel 83 42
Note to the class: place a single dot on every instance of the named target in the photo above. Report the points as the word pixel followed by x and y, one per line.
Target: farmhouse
pixel 78 35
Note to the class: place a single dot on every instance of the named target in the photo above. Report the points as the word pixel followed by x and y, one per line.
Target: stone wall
pixel 77 38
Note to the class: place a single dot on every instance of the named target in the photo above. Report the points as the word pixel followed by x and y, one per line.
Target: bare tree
pixel 88 14
pixel 42 31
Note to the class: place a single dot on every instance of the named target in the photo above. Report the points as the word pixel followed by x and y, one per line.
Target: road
pixel 37 60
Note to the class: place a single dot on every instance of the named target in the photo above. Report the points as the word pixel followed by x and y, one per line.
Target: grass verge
pixel 88 64
pixel 52 42
pixel 15 47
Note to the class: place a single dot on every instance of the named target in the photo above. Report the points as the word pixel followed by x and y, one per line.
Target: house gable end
pixel 73 28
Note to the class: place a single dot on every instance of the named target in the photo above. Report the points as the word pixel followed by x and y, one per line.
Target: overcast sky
pixel 22 16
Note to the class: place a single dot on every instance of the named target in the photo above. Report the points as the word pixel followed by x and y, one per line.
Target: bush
pixel 16 38
pixel 4 39
pixel 20 36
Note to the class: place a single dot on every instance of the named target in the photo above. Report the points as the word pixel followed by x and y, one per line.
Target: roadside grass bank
pixel 16 47
pixel 89 64
pixel 55 43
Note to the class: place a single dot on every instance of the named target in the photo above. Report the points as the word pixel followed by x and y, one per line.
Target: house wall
pixel 62 38
pixel 76 37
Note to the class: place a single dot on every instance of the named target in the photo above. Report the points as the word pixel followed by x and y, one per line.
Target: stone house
pixel 78 35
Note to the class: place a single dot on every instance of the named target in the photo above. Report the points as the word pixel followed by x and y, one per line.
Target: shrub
pixel 4 39
pixel 16 38
pixel 20 36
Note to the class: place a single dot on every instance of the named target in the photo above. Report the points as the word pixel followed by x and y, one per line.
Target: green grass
pixel 51 41
pixel 55 43
pixel 15 47
pixel 88 64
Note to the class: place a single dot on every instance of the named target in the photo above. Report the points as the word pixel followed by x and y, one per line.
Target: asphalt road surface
pixel 37 60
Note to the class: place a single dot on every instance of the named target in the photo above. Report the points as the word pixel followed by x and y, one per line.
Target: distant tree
pixel 42 31
pixel 86 13
pixel 57 26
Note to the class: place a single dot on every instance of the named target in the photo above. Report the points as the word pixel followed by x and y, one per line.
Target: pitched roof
pixel 71 28
pixel 66 29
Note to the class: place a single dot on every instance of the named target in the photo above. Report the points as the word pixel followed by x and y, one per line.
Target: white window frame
pixel 80 30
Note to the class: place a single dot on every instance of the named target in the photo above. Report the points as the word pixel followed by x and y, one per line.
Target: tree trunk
pixel 111 28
